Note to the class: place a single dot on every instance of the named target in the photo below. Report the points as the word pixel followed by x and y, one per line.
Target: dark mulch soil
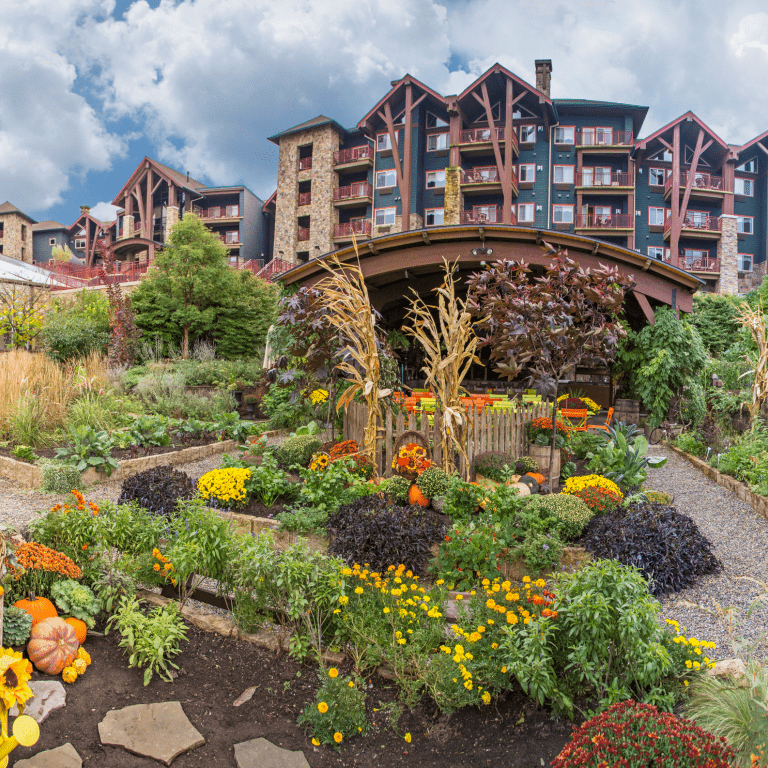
pixel 513 733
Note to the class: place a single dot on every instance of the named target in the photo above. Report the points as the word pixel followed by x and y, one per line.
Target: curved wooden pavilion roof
pixel 393 264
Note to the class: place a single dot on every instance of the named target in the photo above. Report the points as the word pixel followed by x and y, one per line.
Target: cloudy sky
pixel 88 87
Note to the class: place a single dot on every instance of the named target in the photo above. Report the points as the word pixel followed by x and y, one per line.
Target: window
pixel 595 136
pixel 695 259
pixel 656 177
pixel 598 176
pixel 744 262
pixel 564 134
pixel 233 236
pixel 52 241
pixel 233 210
pixel 435 179
pixel 386 179
pixel 745 225
pixel 656 217
pixel 655 252
pixel 23 232
pixel 744 187
pixel 525 213
pixel 384 216
pixel 383 142
pixel 696 220
pixel 749 167
pixel 437 141
pixel 80 244
pixel 486 213
pixel 433 217
pixel 433 121
pixel 214 212
pixel 527 172
pixel 563 174
pixel 562 214
pixel 527 134
pixel 664 155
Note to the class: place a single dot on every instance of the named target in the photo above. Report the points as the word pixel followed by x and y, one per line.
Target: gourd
pixel 415 496
pixel 84 656
pixel 53 645
pixel 39 608
pixel 69 675
pixel 80 627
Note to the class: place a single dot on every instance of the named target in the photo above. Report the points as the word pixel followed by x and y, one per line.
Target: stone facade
pixel 453 197
pixel 171 219
pixel 16 237
pixel 128 224
pixel 321 211
pixel 727 252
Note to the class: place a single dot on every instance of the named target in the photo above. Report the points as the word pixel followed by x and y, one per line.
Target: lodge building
pixel 504 153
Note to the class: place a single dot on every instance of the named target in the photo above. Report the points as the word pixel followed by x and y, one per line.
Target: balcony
pixel 698 227
pixel 492 215
pixel 358 193
pixel 601 222
pixel 354 158
pixel 303 234
pixel 603 141
pixel 705 186
pixel 479 141
pixel 220 214
pixel 481 180
pixel 305 198
pixel 360 229
pixel 709 265
pixel 305 163
pixel 615 183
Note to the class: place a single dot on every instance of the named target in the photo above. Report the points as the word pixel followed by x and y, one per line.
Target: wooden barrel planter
pixel 541 454
pixel 627 411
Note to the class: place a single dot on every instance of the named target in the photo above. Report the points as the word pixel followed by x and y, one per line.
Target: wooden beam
pixel 492 126
pixel 670 148
pixel 689 184
pixel 645 305
pixel 760 144
pixel 405 189
pixel 674 240
pixel 393 143
pixel 506 184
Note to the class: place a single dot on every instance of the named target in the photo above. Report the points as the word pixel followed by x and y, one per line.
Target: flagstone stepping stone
pixel 160 731
pixel 50 695
pixel 64 756
pixel 260 753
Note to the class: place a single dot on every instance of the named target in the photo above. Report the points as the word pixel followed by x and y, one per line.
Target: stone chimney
pixel 543 75
pixel 85 208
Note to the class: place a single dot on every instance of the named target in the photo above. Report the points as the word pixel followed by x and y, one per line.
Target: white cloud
pixel 104 211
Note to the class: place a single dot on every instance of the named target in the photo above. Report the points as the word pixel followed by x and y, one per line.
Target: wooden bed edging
pixel 758 503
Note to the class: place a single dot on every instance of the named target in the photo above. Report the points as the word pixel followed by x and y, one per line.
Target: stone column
pixel 171 218
pixel 127 227
pixel 452 198
pixel 727 252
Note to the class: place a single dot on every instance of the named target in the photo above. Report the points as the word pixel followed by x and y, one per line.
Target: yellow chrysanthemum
pixel 15 672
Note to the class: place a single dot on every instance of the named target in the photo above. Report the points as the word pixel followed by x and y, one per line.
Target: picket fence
pixel 489 431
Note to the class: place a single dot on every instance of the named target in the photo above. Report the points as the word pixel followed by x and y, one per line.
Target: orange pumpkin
pixel 81 630
pixel 38 608
pixel 53 645
pixel 415 496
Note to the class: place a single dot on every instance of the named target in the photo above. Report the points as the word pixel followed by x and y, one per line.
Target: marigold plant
pixel 600 500
pixel 578 483
pixel 318 396
pixel 226 486
pixel 543 426
pixel 35 568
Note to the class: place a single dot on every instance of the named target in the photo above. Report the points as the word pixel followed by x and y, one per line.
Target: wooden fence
pixel 489 431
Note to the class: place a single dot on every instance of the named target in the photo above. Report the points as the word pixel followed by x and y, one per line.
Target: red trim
pixel 392 208
pixel 397 86
pixel 385 186
pixel 526 165
pixel 572 181
pixel 643 143
pixel 497 68
pixel 527 221
pixel 658 208
pixel 664 171
pixel 561 205
pixel 398 128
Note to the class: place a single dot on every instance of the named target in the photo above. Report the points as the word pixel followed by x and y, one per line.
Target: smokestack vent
pixel 543 75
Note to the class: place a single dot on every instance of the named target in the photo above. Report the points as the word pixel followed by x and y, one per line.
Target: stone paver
pixel 160 731
pixel 260 753
pixel 64 756
pixel 50 695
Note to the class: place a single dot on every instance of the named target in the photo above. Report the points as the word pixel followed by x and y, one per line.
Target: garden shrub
pixel 297 450
pixel 396 488
pixel 572 513
pixel 495 465
pixel 578 483
pixel 582 443
pixel 432 482
pixel 638 735
pixel 526 464
pixel 285 408
pixel 462 499
pixel 157 489
pixel 378 533
pixel 665 545
pixel 599 500
pixel 470 551
pixel 59 477
pixel 77 328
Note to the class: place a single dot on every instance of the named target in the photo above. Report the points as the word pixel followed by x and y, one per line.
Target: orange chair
pixel 575 419
pixel 603 426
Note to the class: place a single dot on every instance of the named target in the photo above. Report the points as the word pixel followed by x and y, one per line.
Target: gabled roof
pixel 179 179
pixel 85 215
pixel 498 69
pixel 315 122
pixel 400 84
pixel 589 106
pixel 643 143
pixel 8 207
pixel 43 226
pixel 752 142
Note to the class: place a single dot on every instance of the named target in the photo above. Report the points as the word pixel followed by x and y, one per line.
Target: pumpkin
pixel 415 496
pixel 39 608
pixel 53 645
pixel 523 489
pixel 81 630
pixel 531 482
pixel 69 675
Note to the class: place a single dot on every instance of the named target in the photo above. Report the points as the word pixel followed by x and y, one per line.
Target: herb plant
pixel 494 465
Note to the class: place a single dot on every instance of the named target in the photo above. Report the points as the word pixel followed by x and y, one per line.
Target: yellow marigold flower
pixel 490 603
pixel 511 618
pixel 351 684
pixel 333 672
pixel 386 610
pixel 343 599
pixel 407 738
pixel 156 567
pixel 503 670
pixel 486 698
pixel 541 583
pixel 459 597
pixel 468 685
pixel 440 582
pixel 494 646
pixel 322 707
pixel 359 590
pixel 337 737
pixel 402 641
pixel 526 579
pixel 315 742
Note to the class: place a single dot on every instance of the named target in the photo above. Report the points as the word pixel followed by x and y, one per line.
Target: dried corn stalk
pixel 449 345
pixel 754 320
pixel 351 313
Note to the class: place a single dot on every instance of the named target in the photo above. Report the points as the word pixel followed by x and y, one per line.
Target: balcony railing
pixel 218 213
pixel 356 228
pixel 701 181
pixel 344 156
pixel 592 179
pixel 702 223
pixel 274 268
pixel 593 137
pixel 690 264
pixel 305 163
pixel 303 234
pixel 352 191
pixel 65 276
pixel 485 175
pixel 483 135
pixel 604 221
pixel 493 215
pixel 305 198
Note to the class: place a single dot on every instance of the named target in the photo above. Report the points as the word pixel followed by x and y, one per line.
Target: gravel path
pixel 740 539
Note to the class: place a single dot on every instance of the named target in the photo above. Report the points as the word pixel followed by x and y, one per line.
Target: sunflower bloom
pixel 15 672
